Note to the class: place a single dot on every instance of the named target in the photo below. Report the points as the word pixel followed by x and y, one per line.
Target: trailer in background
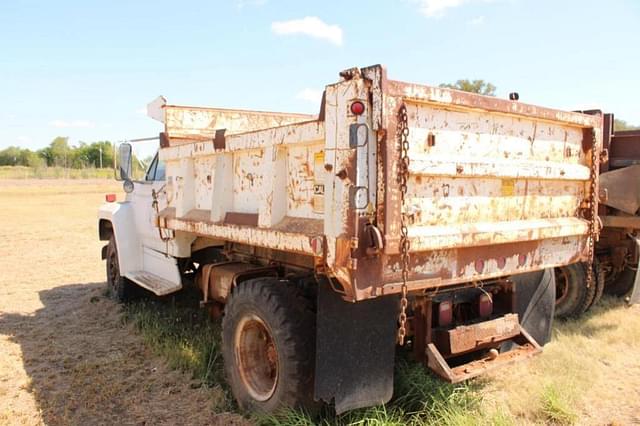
pixel 617 251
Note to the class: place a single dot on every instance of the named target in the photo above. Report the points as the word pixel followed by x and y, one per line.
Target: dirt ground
pixel 65 355
pixel 67 358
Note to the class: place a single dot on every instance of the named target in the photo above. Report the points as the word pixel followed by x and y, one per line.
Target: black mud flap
pixel 634 294
pixel 355 348
pixel 536 302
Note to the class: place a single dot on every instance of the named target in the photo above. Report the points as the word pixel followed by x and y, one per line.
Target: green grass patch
pixel 185 335
pixel 419 399
pixel 557 407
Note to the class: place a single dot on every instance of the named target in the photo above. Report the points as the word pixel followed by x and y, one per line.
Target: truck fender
pixel 118 219
pixel 355 349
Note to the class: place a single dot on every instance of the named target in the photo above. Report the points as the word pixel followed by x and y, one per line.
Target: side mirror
pixel 125 161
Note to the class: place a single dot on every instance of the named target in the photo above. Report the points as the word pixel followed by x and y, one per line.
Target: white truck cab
pixel 143 254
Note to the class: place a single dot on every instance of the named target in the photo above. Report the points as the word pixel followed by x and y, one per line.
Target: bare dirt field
pixel 67 357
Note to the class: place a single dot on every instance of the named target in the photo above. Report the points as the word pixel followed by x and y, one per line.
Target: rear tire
pixel 573 297
pixel 599 277
pixel 120 289
pixel 622 284
pixel 268 334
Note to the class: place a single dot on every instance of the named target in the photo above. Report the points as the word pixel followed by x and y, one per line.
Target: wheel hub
pixel 257 357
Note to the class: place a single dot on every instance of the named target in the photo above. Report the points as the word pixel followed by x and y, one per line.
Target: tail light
pixel 445 313
pixel 110 198
pixel 485 305
pixel 357 108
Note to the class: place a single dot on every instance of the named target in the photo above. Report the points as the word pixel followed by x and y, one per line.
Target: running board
pixel 487 336
pixel 155 284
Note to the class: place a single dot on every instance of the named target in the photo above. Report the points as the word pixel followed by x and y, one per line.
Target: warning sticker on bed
pixel 508 187
pixel 318 184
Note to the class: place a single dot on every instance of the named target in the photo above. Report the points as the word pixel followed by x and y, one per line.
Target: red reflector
pixel 522 259
pixel 479 264
pixel 485 306
pixel 357 107
pixel 111 198
pixel 316 245
pixel 445 313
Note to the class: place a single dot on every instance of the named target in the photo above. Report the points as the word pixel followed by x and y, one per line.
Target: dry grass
pixel 588 374
pixel 67 356
pixel 23 172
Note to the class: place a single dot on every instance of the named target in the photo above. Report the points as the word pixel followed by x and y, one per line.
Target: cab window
pixel 159 170
pixel 156 170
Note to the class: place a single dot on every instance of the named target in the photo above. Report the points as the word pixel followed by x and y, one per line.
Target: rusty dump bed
pixel 494 187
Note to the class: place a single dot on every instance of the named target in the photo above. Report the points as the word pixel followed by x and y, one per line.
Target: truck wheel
pixel 120 288
pixel 573 297
pixel 622 284
pixel 268 334
pixel 599 277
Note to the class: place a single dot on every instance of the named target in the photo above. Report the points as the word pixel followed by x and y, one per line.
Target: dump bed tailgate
pixel 494 187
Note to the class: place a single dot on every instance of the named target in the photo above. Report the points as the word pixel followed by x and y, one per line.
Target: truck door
pixel 145 213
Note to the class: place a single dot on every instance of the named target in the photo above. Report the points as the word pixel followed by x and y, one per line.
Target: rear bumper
pixel 485 338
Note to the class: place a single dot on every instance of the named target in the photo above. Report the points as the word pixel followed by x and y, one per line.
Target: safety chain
pixel 593 206
pixel 403 176
pixel 154 204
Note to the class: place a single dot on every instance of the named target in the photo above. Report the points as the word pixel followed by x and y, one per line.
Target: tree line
pixel 60 154
pixel 485 88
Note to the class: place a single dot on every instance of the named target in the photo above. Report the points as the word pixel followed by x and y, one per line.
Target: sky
pixel 86 69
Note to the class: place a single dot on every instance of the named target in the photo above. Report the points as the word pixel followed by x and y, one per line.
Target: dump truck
pixel 617 254
pixel 400 214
